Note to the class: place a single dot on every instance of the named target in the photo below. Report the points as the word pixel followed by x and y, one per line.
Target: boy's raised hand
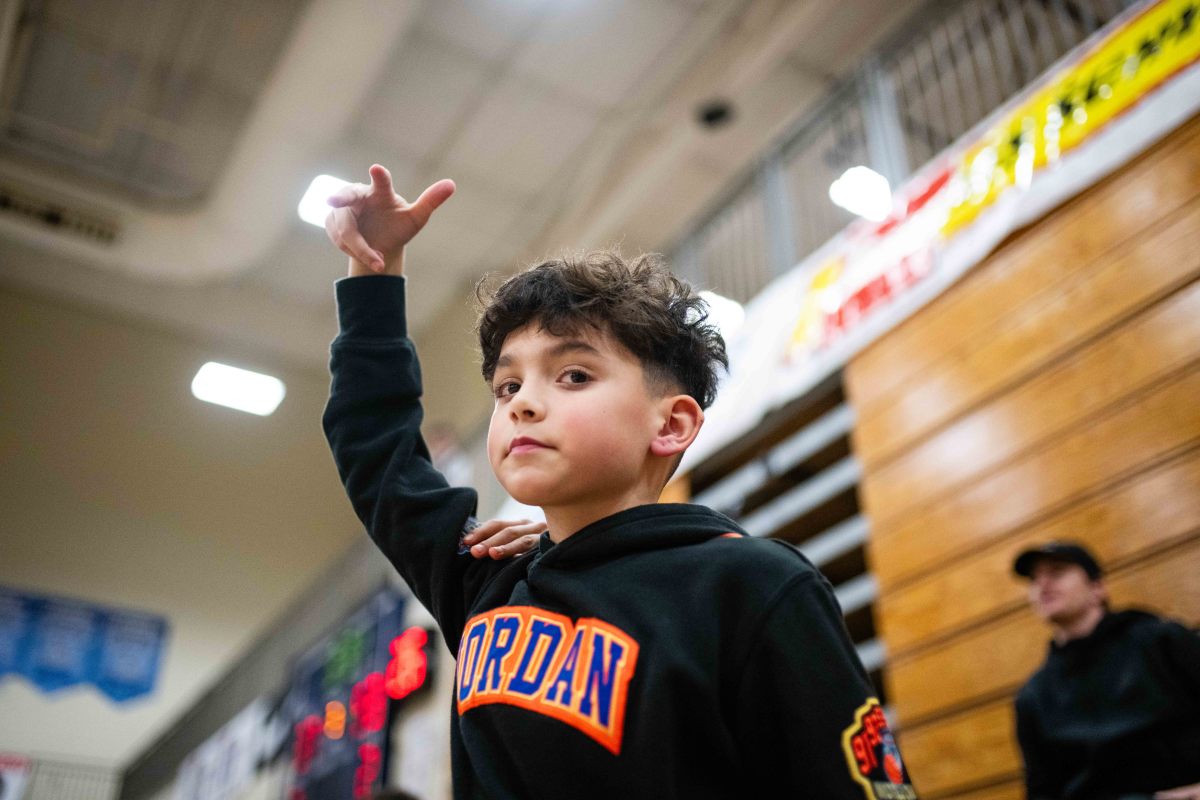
pixel 372 224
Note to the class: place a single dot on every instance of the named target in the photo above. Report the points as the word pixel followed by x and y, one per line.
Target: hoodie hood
pixel 628 531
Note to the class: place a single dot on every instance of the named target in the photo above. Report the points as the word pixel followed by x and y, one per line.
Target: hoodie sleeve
pixel 805 718
pixel 372 422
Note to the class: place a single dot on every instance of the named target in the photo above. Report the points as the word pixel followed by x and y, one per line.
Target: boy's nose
pixel 526 406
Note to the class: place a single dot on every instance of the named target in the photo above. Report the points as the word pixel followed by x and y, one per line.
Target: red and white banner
pixel 1096 109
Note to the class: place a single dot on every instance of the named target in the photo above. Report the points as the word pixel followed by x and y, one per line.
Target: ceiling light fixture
pixel 314 206
pixel 863 191
pixel 241 389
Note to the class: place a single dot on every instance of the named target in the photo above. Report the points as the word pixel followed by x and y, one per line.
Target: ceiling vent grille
pixel 16 202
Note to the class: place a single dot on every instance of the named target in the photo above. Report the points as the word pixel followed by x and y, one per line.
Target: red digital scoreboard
pixel 343 696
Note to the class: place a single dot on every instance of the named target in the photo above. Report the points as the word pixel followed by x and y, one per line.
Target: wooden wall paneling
pixel 1053 393
pixel 1119 208
pixel 1039 331
pixel 1152 345
pixel 998 657
pixel 1166 584
pixel 967 750
pixel 1150 510
pixel 1147 429
pixel 987 662
pixel 1010 790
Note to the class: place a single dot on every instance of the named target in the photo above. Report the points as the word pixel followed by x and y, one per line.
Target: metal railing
pixel 949 68
pixel 65 780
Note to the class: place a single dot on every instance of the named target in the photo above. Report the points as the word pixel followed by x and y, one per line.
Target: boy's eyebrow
pixel 562 348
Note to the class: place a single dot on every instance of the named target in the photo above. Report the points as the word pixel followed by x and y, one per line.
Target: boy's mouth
pixel 524 444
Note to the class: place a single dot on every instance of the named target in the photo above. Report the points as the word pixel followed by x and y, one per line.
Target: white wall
pixel 120 488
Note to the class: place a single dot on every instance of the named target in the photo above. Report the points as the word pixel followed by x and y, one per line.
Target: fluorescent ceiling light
pixel 728 315
pixel 862 191
pixel 242 389
pixel 314 206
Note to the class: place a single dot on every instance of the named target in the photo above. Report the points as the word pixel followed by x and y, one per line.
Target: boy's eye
pixel 576 376
pixel 507 388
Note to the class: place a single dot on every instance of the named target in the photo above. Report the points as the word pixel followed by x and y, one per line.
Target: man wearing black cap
pixel 1114 712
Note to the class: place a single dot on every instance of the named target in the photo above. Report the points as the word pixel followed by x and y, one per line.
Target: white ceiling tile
pixel 599 50
pixel 446 253
pixel 478 206
pixel 442 262
pixel 302 267
pixel 503 257
pixel 519 138
pixel 354 156
pixel 845 36
pixel 419 99
pixel 488 28
pixel 448 246
pixel 659 218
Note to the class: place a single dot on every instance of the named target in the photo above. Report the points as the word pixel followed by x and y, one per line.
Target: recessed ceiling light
pixel 314 206
pixel 242 389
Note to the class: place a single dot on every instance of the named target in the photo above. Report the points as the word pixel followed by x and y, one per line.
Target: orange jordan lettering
pixel 576 672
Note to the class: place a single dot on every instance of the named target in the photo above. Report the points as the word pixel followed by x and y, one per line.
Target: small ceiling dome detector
pixel 715 113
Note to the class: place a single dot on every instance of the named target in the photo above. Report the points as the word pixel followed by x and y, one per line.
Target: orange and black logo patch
pixel 873 757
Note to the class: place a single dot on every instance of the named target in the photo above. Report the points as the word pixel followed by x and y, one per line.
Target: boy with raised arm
pixel 641 650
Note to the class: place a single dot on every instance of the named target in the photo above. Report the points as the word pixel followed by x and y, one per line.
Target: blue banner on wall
pixel 56 642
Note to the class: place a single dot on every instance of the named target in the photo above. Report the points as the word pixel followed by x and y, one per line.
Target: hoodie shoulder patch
pixel 873 757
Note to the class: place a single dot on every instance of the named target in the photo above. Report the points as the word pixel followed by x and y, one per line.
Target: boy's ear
pixel 682 418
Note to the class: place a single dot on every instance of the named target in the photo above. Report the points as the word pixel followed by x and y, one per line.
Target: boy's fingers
pixel 349 195
pixel 514 531
pixel 514 548
pixel 483 530
pixel 381 180
pixel 342 229
pixel 430 199
pixel 511 540
pixel 488 529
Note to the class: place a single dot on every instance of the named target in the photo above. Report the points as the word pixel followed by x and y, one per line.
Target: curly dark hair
pixel 656 316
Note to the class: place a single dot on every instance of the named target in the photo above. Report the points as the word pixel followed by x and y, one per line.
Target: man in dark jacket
pixel 1114 712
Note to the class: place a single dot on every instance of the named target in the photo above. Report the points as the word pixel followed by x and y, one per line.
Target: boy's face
pixel 573 421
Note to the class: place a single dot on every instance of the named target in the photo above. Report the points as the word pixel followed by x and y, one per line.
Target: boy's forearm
pixel 372 423
pixel 374 412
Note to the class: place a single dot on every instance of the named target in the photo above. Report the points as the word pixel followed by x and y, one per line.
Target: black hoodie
pixel 656 653
pixel 1115 713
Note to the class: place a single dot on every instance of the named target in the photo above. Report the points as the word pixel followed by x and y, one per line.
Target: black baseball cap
pixel 1070 552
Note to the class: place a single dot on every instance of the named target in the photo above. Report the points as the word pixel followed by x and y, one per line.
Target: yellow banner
pixel 1085 96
